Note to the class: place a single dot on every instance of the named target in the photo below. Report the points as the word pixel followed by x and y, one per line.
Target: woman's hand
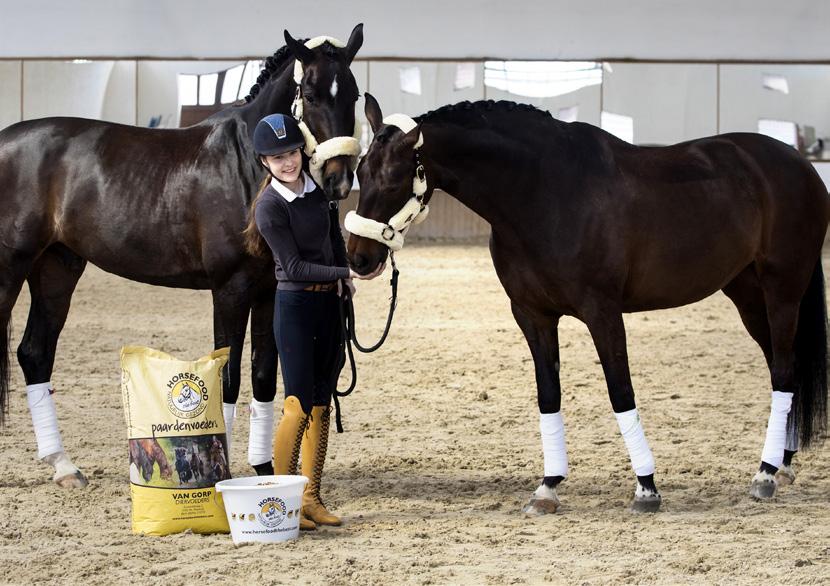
pixel 349 285
pixel 372 275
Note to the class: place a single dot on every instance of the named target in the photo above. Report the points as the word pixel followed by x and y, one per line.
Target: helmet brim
pixel 283 148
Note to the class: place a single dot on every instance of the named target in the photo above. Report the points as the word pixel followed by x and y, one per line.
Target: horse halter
pixel 319 153
pixel 414 210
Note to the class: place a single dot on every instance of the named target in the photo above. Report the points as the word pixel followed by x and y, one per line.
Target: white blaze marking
pixel 333 88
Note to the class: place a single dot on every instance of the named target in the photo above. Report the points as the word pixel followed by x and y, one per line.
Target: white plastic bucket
pixel 263 508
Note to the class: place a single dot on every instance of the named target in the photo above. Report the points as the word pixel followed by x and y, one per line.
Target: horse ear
pixel 410 139
pixel 373 113
pixel 300 51
pixel 355 42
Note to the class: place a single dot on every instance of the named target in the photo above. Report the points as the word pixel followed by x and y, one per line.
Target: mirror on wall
pixel 659 103
pixel 789 102
pixel 643 103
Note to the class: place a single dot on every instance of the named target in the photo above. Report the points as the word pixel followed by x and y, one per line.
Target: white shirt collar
pixel 287 194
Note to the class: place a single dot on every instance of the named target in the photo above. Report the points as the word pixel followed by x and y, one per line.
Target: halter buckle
pixel 383 233
pixel 420 173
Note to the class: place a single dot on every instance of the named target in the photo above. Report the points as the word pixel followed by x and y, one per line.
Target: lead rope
pixel 349 337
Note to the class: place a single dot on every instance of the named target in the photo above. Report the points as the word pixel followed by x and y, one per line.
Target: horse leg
pixel 51 284
pixel 231 305
pixel 14 266
pixel 607 329
pixel 796 313
pixel 746 293
pixel 264 382
pixel 542 338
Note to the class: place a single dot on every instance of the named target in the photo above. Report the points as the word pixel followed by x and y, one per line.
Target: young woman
pixel 302 233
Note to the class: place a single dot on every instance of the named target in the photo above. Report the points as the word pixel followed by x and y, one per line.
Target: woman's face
pixel 286 166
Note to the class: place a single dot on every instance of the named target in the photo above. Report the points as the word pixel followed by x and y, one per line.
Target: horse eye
pixel 309 98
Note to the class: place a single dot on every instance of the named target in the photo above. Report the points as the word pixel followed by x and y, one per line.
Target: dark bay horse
pixel 160 206
pixel 586 225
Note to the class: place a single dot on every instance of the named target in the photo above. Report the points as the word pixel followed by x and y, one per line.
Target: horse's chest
pixel 530 279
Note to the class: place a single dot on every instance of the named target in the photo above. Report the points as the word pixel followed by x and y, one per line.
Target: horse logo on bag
pixel 187 398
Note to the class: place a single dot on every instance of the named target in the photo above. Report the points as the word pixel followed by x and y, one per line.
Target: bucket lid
pixel 261 482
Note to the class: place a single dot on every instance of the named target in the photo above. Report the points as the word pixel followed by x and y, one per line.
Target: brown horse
pixel 160 206
pixel 147 453
pixel 586 225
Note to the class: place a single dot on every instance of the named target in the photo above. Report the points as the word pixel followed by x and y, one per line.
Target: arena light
pixel 541 79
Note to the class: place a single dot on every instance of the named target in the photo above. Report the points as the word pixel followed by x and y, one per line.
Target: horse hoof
pixel 543 502
pixel 763 486
pixel 646 504
pixel 75 480
pixel 538 507
pixel 785 476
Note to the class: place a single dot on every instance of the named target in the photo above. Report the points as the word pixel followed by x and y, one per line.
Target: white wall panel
pixel 9 92
pixel 59 88
pixel 120 96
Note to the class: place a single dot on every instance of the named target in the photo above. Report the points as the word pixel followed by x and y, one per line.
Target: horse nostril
pixel 358 261
pixel 329 184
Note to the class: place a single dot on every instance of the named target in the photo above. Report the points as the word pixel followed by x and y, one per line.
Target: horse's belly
pixel 658 285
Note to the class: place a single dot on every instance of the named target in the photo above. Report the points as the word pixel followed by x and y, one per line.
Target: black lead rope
pixel 349 337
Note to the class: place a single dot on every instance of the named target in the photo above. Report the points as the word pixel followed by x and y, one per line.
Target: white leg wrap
pixel 552 428
pixel 261 437
pixel 635 440
pixel 776 441
pixel 44 419
pixel 228 414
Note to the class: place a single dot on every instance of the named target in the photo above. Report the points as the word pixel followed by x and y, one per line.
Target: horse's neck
pixel 468 170
pixel 276 95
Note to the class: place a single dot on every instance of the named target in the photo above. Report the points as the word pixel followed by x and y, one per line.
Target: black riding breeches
pixel 309 343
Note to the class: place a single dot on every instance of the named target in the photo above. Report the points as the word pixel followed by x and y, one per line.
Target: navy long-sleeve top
pixel 304 237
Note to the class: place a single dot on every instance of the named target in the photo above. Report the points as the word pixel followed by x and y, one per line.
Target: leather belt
pixel 321 287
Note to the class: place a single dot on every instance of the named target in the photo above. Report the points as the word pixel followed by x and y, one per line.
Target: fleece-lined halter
pixel 414 210
pixel 334 147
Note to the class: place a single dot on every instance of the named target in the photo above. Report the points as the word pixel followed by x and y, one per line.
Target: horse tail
pixel 809 413
pixel 5 336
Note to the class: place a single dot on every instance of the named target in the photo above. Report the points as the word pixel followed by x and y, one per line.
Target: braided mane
pixel 276 64
pixel 451 110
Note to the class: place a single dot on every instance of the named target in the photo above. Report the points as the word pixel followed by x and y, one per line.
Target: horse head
pixel 386 207
pixel 325 101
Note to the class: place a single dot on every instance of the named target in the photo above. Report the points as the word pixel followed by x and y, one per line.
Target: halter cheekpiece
pixel 319 153
pixel 414 210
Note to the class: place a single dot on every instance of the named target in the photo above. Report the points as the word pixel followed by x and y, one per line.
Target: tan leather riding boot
pixel 287 441
pixel 314 447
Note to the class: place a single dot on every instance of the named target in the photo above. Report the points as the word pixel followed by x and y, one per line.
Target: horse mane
pixel 276 64
pixel 463 110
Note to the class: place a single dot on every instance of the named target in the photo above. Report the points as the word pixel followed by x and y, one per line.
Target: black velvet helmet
pixel 276 134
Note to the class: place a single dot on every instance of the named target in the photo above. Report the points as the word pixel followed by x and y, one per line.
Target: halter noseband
pixel 414 210
pixel 319 153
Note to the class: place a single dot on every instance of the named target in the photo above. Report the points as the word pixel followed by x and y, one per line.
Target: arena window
pixel 541 79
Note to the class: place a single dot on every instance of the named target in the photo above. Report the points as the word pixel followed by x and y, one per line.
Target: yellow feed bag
pixel 176 433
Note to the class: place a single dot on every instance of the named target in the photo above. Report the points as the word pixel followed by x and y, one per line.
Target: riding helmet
pixel 276 134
